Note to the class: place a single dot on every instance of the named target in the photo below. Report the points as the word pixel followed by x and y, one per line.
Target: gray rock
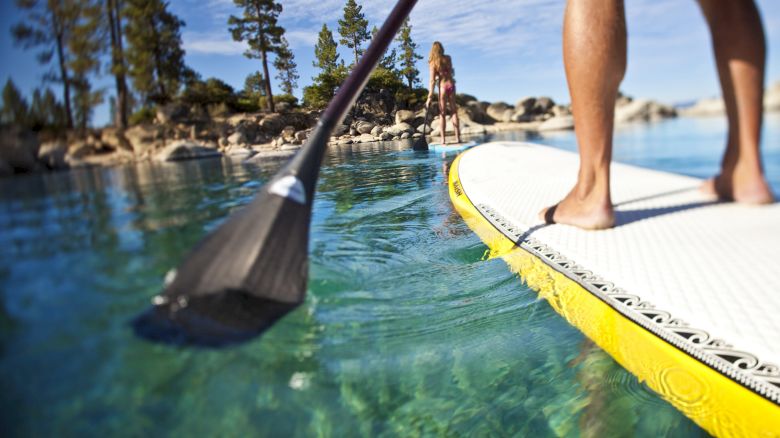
pixel 526 103
pixel 363 127
pixel 289 147
pixel 52 154
pixel 173 112
pixel 144 138
pixel 399 128
pixel 543 105
pixel 376 131
pixel 404 116
pixel 345 141
pixel 301 136
pixel 405 135
pixel 79 149
pixel 236 138
pixel 185 150
pixel 340 130
pixel 417 135
pixel 500 111
pixel 364 138
pixel 384 136
pixel 288 133
pixel 561 110
pixel 557 124
pixel 643 110
pixel 352 131
pixel 19 149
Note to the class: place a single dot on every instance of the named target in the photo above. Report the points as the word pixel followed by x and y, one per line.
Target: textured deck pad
pixel 702 275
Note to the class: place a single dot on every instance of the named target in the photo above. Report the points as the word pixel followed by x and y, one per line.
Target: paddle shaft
pixel 305 165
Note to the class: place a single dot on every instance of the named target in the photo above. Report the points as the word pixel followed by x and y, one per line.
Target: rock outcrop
pixel 185 150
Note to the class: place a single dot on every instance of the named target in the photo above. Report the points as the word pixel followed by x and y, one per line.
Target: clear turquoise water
pixel 407 329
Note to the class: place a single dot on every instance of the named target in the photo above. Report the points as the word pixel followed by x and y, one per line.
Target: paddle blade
pixel 240 279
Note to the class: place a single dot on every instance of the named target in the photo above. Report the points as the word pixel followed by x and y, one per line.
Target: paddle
pixel 421 144
pixel 253 269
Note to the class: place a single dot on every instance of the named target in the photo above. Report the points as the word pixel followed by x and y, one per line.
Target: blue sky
pixel 501 50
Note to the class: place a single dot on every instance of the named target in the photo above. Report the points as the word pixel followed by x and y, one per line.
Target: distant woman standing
pixel 442 73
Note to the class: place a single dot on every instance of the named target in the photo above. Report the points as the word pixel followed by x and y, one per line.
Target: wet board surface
pixel 701 278
pixel 451 147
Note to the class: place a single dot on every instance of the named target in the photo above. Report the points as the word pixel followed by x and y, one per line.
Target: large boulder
pixel 114 139
pixel 399 128
pixel 525 104
pixel 404 116
pixel 185 150
pixel 174 112
pixel 643 110
pixel 19 149
pixel 364 127
pixel 500 111
pixel 52 154
pixel 144 138
pixel 559 123
pixel 236 138
pixel 477 113
pixel 79 149
pixel 543 105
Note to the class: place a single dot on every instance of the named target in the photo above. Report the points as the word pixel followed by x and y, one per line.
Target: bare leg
pixel 455 120
pixel 594 54
pixel 443 115
pixel 740 52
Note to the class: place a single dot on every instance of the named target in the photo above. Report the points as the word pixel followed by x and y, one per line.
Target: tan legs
pixel 594 53
pixel 740 52
pixel 455 120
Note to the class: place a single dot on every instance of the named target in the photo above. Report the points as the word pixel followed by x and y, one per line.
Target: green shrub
pixel 143 115
pixel 209 92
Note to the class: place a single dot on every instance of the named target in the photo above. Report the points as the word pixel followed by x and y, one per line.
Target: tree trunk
pixel 63 71
pixel 269 98
pixel 158 63
pixel 117 59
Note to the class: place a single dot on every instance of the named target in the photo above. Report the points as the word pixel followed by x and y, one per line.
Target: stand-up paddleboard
pixel 684 291
pixel 451 147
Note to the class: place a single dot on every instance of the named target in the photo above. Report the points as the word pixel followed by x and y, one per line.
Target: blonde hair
pixel 439 60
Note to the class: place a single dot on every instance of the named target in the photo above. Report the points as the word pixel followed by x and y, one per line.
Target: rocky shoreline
pixel 179 132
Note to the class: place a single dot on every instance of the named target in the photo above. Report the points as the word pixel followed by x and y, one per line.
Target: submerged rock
pixel 185 150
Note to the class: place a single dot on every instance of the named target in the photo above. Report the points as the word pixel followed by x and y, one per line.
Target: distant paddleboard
pixel 684 291
pixel 451 147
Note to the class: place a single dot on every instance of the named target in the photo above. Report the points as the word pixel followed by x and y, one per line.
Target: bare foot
pixel 587 212
pixel 745 187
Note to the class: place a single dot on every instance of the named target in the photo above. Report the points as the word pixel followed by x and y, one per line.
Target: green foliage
pixel 353 28
pixel 258 27
pixel 382 78
pixel 254 84
pixel 408 56
pixel 155 57
pixel 47 26
pixel 318 94
pixel 15 109
pixel 286 68
pixel 326 58
pixel 45 113
pixel 388 61
pixel 209 92
pixel 144 115
pixel 85 44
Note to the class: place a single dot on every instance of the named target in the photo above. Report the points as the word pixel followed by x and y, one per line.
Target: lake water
pixel 407 328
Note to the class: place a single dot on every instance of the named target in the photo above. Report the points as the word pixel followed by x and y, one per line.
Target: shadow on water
pixel 204 322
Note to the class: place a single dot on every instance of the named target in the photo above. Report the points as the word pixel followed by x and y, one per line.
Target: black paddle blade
pixel 420 144
pixel 241 278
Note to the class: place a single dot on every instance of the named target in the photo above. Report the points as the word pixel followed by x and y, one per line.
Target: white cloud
pixel 212 43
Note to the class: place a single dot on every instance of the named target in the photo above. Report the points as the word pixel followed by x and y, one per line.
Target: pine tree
pixel 45 112
pixel 85 43
pixel 258 27
pixel 326 58
pixel 155 58
pixel 391 55
pixel 48 25
pixel 14 109
pixel 254 84
pixel 353 28
pixel 286 68
pixel 409 55
pixel 121 104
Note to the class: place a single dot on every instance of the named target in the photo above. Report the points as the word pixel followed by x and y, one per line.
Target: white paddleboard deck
pixel 703 275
